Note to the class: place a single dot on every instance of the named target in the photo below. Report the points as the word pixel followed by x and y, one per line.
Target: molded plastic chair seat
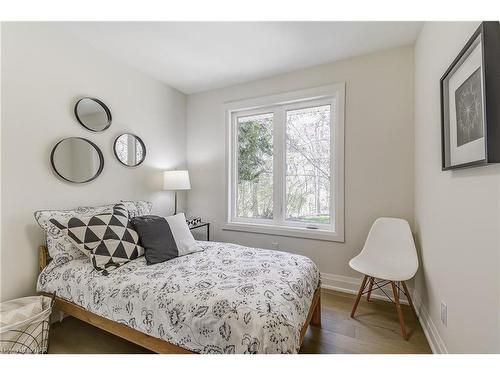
pixel 389 252
pixel 393 269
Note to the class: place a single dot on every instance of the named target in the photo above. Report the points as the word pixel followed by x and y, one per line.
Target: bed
pixel 225 299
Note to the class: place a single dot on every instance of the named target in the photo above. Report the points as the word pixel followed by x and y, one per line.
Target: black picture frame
pixel 488 34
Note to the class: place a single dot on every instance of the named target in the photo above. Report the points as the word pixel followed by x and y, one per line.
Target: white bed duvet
pixel 225 299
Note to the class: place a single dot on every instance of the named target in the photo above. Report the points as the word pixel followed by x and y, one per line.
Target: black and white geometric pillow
pixel 108 238
pixel 58 244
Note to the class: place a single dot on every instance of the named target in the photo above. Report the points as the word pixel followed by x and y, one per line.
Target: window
pixel 308 165
pixel 285 164
pixel 255 166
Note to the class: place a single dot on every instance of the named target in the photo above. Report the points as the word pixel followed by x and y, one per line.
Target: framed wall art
pixel 470 102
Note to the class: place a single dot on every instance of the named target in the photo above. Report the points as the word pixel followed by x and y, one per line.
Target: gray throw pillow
pixel 164 238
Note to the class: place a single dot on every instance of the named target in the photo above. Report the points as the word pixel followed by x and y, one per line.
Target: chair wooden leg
pixel 370 286
pixel 395 291
pixel 409 299
pixel 360 293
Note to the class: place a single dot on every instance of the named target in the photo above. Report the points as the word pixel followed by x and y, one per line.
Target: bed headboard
pixel 43 257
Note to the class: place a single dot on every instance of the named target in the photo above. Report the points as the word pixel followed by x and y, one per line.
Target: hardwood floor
pixel 375 329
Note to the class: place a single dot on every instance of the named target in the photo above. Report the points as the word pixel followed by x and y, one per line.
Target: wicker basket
pixel 26 333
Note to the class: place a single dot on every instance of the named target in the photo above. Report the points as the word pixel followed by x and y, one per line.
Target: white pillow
pixel 183 237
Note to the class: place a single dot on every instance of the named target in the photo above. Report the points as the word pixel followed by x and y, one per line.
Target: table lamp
pixel 174 181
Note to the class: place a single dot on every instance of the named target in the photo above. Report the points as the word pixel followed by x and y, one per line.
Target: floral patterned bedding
pixel 225 299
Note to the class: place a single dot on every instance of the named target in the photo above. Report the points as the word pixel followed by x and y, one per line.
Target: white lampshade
pixel 176 180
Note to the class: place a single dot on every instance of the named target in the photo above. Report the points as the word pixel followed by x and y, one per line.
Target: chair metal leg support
pixel 395 291
pixel 360 293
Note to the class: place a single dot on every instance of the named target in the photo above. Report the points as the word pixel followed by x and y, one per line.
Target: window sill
pixel 315 234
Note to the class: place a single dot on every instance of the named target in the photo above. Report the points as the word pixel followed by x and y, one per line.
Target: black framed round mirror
pixel 129 149
pixel 93 114
pixel 77 160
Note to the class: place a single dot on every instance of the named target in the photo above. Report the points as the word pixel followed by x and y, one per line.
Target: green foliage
pixel 255 147
pixel 322 219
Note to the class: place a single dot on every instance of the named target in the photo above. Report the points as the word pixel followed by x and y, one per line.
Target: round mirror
pixel 93 114
pixel 129 150
pixel 77 160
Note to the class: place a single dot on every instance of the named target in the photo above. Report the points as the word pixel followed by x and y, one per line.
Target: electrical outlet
pixel 276 245
pixel 444 313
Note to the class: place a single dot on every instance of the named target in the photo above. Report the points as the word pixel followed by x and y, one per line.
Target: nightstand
pixel 199 225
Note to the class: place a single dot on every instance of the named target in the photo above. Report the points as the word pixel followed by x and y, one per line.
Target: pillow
pixel 137 208
pixel 108 238
pixel 59 245
pixel 164 238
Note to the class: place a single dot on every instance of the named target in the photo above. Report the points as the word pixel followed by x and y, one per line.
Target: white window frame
pixel 279 104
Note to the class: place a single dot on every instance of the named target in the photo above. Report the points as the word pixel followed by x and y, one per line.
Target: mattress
pixel 225 299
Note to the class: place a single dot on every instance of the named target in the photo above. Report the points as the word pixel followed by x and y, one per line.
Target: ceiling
pixel 200 56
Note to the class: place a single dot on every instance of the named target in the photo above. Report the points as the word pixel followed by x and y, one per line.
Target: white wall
pixel 378 150
pixel 456 213
pixel 44 71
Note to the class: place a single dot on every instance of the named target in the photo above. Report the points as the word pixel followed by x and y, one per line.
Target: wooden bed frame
pixel 149 342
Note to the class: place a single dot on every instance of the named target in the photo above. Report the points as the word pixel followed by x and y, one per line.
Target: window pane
pixel 308 165
pixel 255 166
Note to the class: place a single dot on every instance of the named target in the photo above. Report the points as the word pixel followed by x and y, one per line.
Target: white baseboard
pixel 351 285
pixel 431 333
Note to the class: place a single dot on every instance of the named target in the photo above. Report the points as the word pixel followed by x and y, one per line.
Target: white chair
pixel 389 255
